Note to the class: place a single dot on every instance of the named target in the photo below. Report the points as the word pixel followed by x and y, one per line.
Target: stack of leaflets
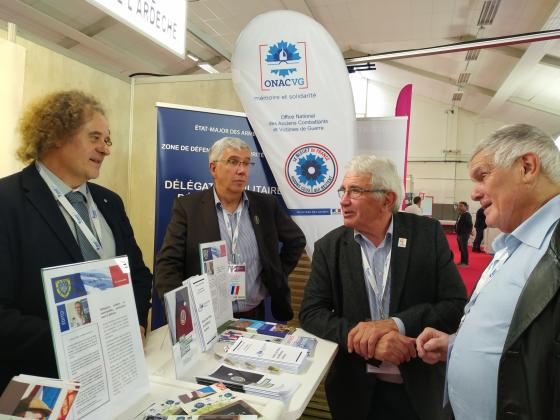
pixel 244 324
pixel 36 397
pixel 203 316
pixel 260 327
pixel 266 354
pixel 308 343
pixel 278 387
pixel 276 330
pixel 231 336
pixel 211 402
pixel 179 321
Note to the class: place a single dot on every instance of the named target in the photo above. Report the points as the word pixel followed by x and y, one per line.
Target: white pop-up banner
pixel 293 83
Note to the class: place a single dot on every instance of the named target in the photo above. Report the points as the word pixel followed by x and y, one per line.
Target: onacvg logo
pixel 282 65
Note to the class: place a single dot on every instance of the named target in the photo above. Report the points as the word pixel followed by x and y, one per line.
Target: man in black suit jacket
pixel 479 225
pixel 204 216
pixel 65 135
pixel 376 282
pixel 463 227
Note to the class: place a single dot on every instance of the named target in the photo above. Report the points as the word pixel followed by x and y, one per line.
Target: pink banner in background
pixel 403 109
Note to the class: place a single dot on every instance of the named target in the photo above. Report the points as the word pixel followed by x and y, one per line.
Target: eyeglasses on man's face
pixel 356 192
pixel 235 163
pixel 97 138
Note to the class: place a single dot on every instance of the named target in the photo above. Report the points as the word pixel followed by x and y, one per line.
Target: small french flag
pixel 234 290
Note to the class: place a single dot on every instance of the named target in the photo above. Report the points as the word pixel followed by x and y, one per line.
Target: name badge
pixel 236 277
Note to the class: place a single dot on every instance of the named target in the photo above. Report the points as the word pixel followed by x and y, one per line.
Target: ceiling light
pixel 472 55
pixel 361 67
pixel 463 79
pixel 192 57
pixel 457 96
pixel 208 67
pixel 488 13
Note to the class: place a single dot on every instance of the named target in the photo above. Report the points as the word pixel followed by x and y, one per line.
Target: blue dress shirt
pixel 247 253
pixel 475 354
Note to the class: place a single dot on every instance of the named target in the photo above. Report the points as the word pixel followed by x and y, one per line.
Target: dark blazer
pixel 34 234
pixel 480 220
pixel 529 369
pixel 464 224
pixel 426 291
pixel 194 220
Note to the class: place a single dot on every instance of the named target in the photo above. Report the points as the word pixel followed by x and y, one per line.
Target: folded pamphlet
pixel 38 397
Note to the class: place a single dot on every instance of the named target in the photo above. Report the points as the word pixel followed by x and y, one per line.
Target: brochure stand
pixel 96 335
pixel 214 264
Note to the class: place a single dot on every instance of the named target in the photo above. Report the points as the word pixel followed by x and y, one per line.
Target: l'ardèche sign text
pixel 163 21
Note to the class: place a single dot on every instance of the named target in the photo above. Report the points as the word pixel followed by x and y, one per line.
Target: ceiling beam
pixel 438 77
pixel 547 60
pixel 523 69
pixel 208 40
pixel 532 105
pixel 467 88
pixel 91 30
pixel 41 24
pixel 458 47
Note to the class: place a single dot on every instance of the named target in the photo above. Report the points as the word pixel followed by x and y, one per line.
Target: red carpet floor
pixel 477 263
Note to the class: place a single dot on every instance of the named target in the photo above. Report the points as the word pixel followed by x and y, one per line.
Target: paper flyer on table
pixel 203 313
pixel 180 323
pixel 277 386
pixel 214 263
pixel 96 335
pixel 28 395
pixel 264 353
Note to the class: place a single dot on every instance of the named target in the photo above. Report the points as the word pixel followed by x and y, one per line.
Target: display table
pixel 160 363
pixel 164 388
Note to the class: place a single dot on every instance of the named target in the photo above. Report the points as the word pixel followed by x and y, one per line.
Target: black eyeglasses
pixel 234 163
pixel 355 192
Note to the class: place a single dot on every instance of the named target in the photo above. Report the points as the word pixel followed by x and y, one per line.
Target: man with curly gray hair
pixel 375 284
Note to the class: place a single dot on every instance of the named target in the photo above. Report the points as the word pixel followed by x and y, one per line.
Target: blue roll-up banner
pixel 184 137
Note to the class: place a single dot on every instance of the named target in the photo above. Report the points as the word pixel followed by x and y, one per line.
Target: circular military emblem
pixel 311 169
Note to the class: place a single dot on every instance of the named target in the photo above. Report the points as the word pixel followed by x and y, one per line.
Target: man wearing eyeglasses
pixel 375 283
pixel 252 224
pixel 44 210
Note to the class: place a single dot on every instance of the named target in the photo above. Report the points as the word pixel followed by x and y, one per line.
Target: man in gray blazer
pixel 252 224
pixel 376 282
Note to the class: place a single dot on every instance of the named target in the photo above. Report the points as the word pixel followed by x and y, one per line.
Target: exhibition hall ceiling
pixel 512 83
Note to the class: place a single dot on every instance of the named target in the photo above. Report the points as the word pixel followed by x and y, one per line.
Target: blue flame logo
pixel 283 53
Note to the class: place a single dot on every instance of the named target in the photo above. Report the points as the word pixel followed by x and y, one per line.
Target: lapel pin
pixel 256 219
pixel 402 243
pixel 104 200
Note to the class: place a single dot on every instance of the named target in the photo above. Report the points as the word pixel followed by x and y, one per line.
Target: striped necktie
pixel 77 200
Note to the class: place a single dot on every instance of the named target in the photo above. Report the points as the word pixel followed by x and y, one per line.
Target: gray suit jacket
pixel 426 290
pixel 194 220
